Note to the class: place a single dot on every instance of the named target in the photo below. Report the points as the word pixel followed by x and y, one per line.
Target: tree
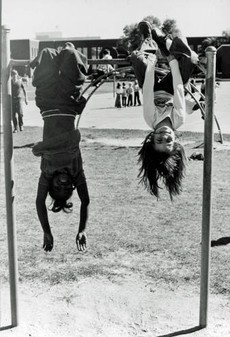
pixel 226 33
pixel 153 20
pixel 216 41
pixel 131 38
pixel 168 25
pixel 209 41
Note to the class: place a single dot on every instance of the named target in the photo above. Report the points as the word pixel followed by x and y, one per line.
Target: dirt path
pixel 99 307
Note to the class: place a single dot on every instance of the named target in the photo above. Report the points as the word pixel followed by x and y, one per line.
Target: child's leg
pixel 135 98
pixel 83 194
pixel 138 98
pixel 15 121
pixel 182 54
pixel 131 100
pixel 20 113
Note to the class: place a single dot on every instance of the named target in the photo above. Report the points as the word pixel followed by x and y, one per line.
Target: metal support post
pixel 9 173
pixel 207 184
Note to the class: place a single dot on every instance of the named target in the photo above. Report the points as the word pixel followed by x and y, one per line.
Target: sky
pixel 107 18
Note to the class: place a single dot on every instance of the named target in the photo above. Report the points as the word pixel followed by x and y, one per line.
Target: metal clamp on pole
pixel 9 173
pixel 207 184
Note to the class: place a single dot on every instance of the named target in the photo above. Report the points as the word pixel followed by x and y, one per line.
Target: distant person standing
pixel 106 67
pixel 136 93
pixel 118 95
pixel 18 96
pixel 124 95
pixel 103 69
pixel 130 94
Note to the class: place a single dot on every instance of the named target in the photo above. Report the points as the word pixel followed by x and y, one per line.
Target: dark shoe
pixel 201 107
pixel 15 131
pixel 160 39
pixel 196 156
pixel 196 107
pixel 145 29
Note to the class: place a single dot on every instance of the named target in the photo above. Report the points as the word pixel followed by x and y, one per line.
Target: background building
pixel 92 48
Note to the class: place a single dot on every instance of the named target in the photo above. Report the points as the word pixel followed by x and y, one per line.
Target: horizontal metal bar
pixel 19 62
pixel 112 61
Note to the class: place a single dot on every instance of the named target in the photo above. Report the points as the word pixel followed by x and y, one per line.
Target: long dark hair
pixel 157 166
pixel 60 203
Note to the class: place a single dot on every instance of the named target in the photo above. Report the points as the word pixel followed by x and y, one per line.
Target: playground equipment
pixel 9 175
pixel 207 170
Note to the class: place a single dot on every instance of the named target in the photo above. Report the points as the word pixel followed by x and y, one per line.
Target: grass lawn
pixel 131 235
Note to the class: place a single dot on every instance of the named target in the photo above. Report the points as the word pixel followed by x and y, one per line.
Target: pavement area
pixel 100 113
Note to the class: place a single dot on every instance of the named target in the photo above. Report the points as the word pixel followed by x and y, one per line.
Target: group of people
pixel 58 79
pixel 127 95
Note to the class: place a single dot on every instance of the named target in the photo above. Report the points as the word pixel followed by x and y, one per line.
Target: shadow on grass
pixel 24 146
pixel 221 241
pixel 7 327
pixel 182 332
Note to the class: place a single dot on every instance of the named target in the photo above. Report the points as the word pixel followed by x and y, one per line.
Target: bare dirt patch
pixel 99 307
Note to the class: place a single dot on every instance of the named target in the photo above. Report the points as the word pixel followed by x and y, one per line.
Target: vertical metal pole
pixel 207 184
pixel 114 81
pixel 114 85
pixel 0 65
pixel 9 172
pixel 0 115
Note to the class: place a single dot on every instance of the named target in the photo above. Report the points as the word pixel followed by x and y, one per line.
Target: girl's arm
pixel 25 94
pixel 83 194
pixel 43 217
pixel 148 93
pixel 178 87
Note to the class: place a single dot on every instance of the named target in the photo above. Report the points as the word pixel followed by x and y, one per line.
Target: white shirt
pixel 106 67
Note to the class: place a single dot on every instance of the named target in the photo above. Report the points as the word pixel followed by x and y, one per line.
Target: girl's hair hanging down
pixel 60 204
pixel 156 166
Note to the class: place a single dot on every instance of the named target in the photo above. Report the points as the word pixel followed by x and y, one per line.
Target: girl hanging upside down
pixel 162 158
pixel 58 78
